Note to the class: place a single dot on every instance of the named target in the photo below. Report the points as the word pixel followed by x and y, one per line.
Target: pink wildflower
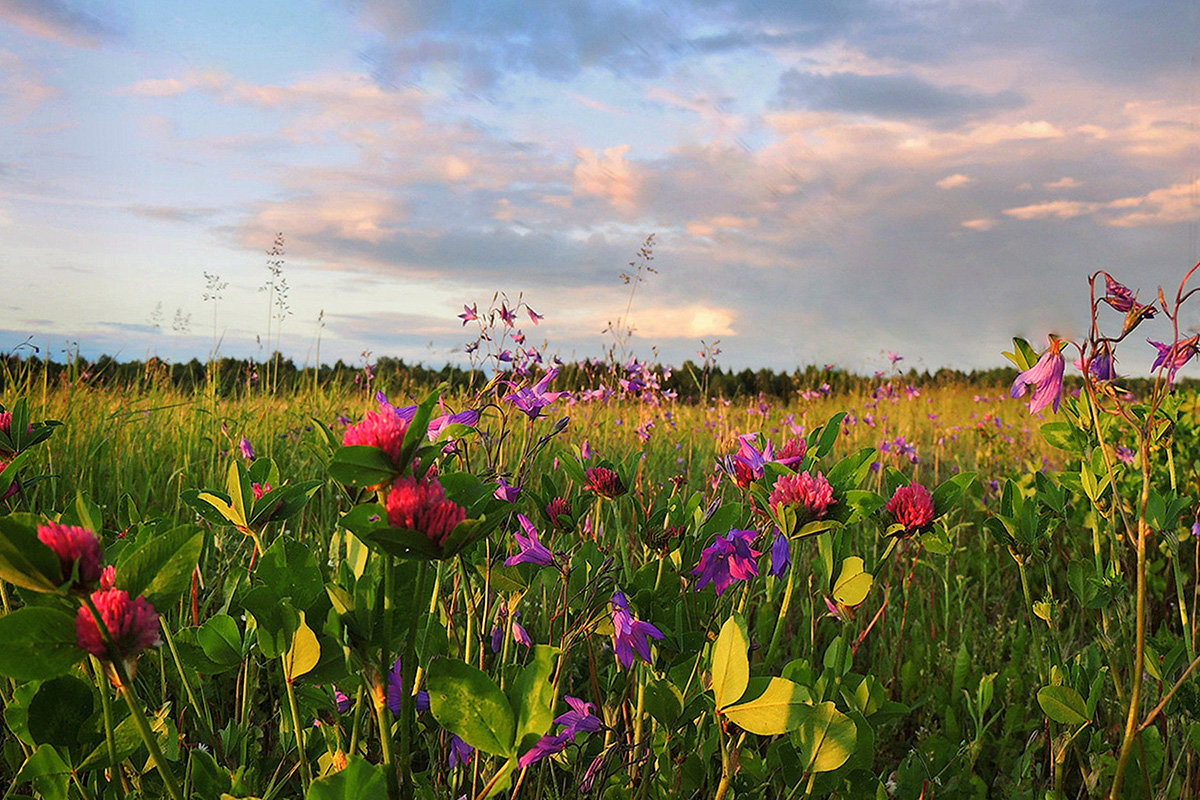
pixel 73 544
pixel 912 507
pixel 383 429
pixel 132 623
pixel 422 506
pixel 811 495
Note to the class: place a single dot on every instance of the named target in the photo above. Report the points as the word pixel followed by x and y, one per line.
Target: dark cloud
pixel 888 96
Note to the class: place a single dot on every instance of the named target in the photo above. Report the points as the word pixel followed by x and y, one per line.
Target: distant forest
pixel 691 381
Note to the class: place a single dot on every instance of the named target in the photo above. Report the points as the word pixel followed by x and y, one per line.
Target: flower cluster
pixel 74 546
pixel 810 495
pixel 382 429
pixel 912 507
pixel 422 505
pixel 605 482
pixel 132 622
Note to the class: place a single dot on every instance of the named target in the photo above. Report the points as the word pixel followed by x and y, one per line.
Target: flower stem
pixel 305 772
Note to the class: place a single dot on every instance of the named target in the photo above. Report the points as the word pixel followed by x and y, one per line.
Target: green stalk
pixel 305 771
pixel 201 710
pixel 358 712
pixel 726 764
pixel 135 707
pixel 109 739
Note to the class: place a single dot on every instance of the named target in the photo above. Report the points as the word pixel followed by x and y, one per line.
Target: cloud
pixel 173 213
pixel 953 181
pixel 888 96
pixel 58 21
pixel 608 176
pixel 982 224
pixel 1174 204
pixel 1062 183
pixel 22 88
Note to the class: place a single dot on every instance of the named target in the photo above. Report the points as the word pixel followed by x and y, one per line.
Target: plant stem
pixel 305 772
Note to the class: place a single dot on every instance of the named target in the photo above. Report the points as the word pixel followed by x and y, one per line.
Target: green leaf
pixel 826 738
pixel 58 711
pixel 209 779
pixel 853 583
pixel 126 740
pixel 778 706
pixel 221 641
pixel 465 701
pixel 44 762
pixel 291 570
pixel 39 643
pixel 360 780
pixel 730 663
pixel 1060 435
pixel 24 560
pixel 532 696
pixel 304 653
pixel 161 569
pixel 362 465
pixel 276 620
pixel 829 434
pixel 223 507
pixel 664 701
pixel 1063 704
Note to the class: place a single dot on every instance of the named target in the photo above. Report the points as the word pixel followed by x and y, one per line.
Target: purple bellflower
pixel 579 719
pixel 630 634
pixel 532 399
pixel 1174 356
pixel 781 555
pixel 730 558
pixel 507 493
pixel 470 313
pixel 1046 377
pixel 532 549
pixel 460 752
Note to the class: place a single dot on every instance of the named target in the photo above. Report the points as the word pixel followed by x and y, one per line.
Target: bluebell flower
pixel 629 634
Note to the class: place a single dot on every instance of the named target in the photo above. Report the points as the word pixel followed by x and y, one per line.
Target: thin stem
pixel 305 772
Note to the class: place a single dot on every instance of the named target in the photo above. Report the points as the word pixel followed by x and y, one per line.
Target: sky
pixel 825 182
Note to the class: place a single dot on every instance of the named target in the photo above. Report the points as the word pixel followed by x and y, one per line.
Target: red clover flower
pixel 73 545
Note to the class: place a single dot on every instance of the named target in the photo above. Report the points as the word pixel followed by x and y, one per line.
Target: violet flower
pixel 1174 356
pixel 506 493
pixel 532 399
pixel 470 313
pixel 532 549
pixel 630 634
pixel 781 555
pixel 1046 377
pixel 730 558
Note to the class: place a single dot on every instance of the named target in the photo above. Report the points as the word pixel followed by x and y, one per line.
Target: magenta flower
pixel 547 746
pixel 246 448
pixel 470 313
pixel 423 506
pixel 1125 455
pixel 507 493
pixel 383 429
pixel 810 495
pixel 460 752
pixel 132 623
pixel 558 511
pixel 1046 378
pixel 534 317
pixel 73 545
pixel 520 635
pixel 532 549
pixel 1118 295
pixel 730 558
pixel 510 318
pixel 1174 356
pixel 912 507
pixel 342 700
pixel 605 482
pixel 630 634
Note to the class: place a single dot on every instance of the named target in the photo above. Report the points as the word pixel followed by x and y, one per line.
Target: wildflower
pixel 342 700
pixel 395 690
pixel 912 507
pixel 379 429
pixel 547 746
pixel 781 555
pixel 746 465
pixel 1118 295
pixel 1174 356
pixel 532 399
pixel 423 506
pixel 605 482
pixel 793 452
pixel 1046 377
pixel 108 578
pixel 133 625
pixel 532 550
pixel 810 495
pixel 588 782
pixel 558 511
pixel 1125 455
pixel 470 313
pixel 460 752
pixel 510 319
pixel 730 558
pixel 534 317
pixel 520 635
pixel 246 448
pixel 469 417
pixel 630 634
pixel 580 719
pixel 260 489
pixel 1102 364
pixel 74 545
pixel 507 493
pixel 1196 529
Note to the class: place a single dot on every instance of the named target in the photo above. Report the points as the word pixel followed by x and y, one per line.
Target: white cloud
pixel 608 176
pixel 982 224
pixel 954 181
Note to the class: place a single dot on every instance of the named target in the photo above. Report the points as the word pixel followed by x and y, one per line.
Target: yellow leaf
pixel 304 653
pixel 730 664
pixel 779 708
pixel 853 583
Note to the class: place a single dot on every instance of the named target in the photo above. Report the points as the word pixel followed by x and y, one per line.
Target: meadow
pixel 377 587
